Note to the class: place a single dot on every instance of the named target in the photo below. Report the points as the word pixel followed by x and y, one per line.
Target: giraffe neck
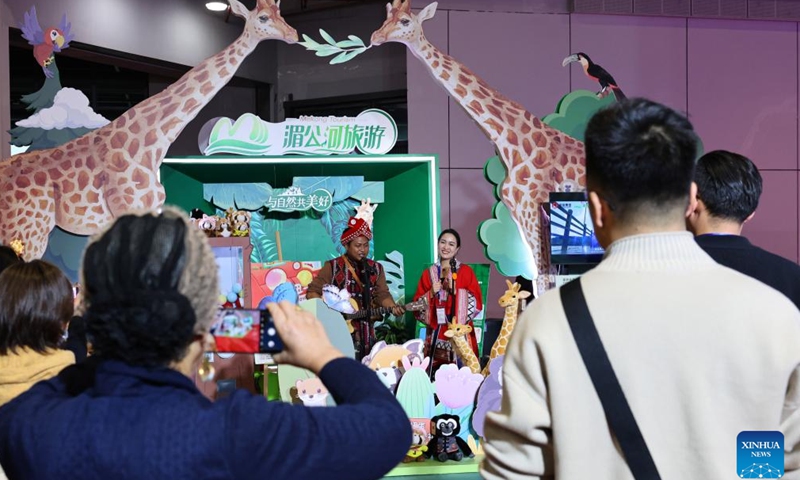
pixel 466 353
pixel 172 109
pixel 510 315
pixel 492 110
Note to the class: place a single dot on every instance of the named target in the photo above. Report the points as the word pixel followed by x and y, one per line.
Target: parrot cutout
pixel 54 39
pixel 596 72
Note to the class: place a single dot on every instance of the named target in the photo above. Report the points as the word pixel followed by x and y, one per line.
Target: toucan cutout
pixel 596 72
pixel 55 39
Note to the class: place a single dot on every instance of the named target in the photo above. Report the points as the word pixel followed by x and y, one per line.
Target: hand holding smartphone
pixel 245 331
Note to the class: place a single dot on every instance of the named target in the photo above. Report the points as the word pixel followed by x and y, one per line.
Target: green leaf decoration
pixel 395 278
pixel 356 40
pixel 348 44
pixel 344 57
pixel 262 236
pixel 344 50
pixel 327 37
pixel 241 196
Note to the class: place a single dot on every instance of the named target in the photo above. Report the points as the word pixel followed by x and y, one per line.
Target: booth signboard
pixel 372 132
pixel 293 199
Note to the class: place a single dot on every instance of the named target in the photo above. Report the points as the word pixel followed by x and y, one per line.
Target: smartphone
pixel 238 330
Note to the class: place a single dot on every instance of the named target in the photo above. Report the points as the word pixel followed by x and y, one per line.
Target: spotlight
pixel 217 6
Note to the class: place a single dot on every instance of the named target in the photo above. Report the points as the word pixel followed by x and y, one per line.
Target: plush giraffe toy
pixel 457 333
pixel 83 185
pixel 538 158
pixel 510 301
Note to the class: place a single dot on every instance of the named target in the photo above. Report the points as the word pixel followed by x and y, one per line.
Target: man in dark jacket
pixel 728 190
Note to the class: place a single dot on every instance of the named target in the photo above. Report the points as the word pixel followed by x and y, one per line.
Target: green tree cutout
pixel 345 50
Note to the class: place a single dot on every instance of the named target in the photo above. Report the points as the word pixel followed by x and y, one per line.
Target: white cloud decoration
pixel 70 110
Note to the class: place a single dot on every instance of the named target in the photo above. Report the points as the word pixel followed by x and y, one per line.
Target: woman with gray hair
pixel 132 410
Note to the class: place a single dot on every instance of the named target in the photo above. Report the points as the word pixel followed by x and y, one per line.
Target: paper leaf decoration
pixel 340 187
pixel 241 196
pixel 345 50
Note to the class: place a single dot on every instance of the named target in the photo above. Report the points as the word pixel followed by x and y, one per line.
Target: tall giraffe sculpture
pixel 83 185
pixel 457 333
pixel 538 159
pixel 510 302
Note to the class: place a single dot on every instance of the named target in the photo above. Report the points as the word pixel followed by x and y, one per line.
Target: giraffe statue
pixel 83 185
pixel 510 301
pixel 538 159
pixel 457 333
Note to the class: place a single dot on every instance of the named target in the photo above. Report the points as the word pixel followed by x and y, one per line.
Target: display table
pixel 466 469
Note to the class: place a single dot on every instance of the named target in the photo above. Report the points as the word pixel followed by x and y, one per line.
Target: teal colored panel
pixel 372 191
pixel 339 187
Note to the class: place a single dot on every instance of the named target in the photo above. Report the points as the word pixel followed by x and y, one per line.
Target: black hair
pixel 35 308
pixel 729 185
pixel 453 233
pixel 135 312
pixel 8 257
pixel 639 155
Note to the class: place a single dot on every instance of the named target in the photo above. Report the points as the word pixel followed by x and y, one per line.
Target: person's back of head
pixel 35 307
pixel 150 287
pixel 640 158
pixel 728 190
pixel 8 257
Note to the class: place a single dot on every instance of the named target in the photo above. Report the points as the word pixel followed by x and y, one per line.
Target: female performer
pixel 449 295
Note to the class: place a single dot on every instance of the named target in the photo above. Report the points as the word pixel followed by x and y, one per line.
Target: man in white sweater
pixel 701 352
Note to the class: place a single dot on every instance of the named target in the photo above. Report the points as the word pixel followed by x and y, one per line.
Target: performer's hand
pixel 437 285
pixel 306 345
pixel 398 310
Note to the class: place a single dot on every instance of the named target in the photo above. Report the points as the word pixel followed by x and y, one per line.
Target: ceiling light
pixel 217 6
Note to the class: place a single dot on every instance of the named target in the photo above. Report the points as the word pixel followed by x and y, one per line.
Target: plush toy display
pixel 446 444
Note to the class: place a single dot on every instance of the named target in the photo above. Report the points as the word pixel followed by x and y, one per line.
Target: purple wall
pixel 737 80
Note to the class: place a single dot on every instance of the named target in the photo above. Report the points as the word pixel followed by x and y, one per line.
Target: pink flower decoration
pixel 457 388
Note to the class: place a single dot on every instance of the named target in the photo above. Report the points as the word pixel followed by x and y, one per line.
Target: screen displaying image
pixel 572 237
pixel 237 331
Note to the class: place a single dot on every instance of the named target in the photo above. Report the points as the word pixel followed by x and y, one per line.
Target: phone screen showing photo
pixel 237 331
pixel 245 331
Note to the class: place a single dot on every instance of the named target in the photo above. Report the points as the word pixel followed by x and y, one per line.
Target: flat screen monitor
pixel 572 239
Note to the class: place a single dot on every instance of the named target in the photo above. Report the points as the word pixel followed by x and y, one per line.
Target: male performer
pixel 362 277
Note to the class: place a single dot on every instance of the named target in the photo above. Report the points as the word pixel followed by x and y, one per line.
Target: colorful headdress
pixel 360 224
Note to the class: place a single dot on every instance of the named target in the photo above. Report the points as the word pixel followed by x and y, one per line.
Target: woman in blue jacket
pixel 132 411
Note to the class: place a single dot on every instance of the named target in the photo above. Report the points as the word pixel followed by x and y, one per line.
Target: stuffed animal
pixel 224 228
pixel 446 444
pixel 240 216
pixel 208 224
pixel 241 229
pixel 419 445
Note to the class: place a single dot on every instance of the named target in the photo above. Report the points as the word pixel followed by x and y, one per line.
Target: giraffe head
pixel 402 25
pixel 265 21
pixel 455 329
pixel 512 295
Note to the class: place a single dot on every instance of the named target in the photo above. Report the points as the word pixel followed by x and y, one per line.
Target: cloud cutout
pixel 70 110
